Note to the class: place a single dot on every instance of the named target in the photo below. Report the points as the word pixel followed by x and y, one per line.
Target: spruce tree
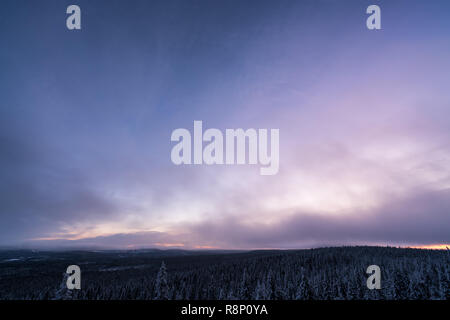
pixel 161 286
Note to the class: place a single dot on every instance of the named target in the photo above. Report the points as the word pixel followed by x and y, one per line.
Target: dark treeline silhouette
pixel 325 273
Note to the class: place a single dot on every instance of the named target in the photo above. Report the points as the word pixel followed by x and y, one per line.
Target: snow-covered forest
pixel 326 273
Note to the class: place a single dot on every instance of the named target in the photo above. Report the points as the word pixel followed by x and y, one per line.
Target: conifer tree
pixel 63 293
pixel 161 286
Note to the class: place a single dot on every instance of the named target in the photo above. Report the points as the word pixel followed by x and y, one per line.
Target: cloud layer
pixel 86 119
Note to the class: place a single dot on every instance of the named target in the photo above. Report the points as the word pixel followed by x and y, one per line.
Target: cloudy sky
pixel 86 118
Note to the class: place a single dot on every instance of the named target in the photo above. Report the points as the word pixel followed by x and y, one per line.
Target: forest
pixel 336 273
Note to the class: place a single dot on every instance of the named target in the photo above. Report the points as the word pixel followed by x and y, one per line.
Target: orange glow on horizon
pixel 205 247
pixel 433 246
pixel 169 244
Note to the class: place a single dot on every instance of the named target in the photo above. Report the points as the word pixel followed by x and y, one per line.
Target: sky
pixel 86 118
